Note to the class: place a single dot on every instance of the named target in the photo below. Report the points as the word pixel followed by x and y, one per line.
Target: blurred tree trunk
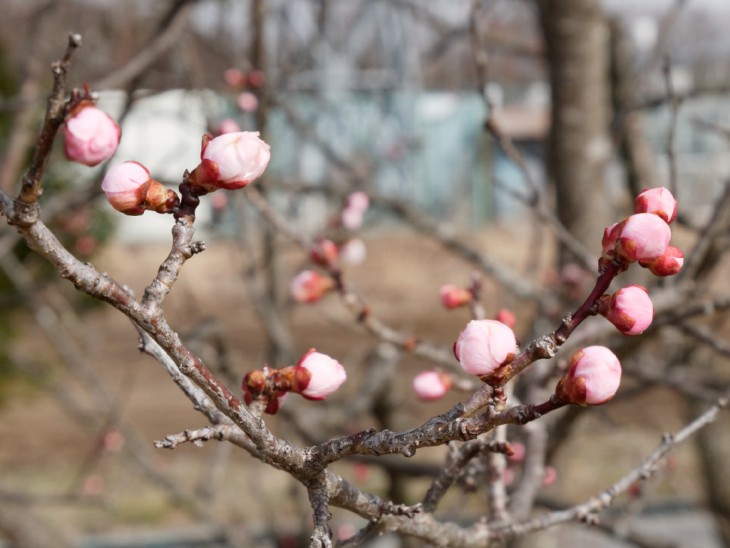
pixel 576 40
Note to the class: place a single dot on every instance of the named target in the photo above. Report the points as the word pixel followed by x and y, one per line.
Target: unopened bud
pixel 358 201
pixel 353 251
pixel 317 375
pixel 484 345
pixel 228 125
pixel 668 264
pixel 90 135
pixel 659 201
pixel 130 189
pixel 308 286
pixel 630 309
pixel 507 317
pixel 431 385
pixel 234 78
pixel 247 101
pixel 593 377
pixel 454 297
pixel 256 78
pixel 324 252
pixel 231 161
pixel 645 236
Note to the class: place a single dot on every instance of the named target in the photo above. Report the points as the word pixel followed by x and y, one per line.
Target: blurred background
pixel 482 131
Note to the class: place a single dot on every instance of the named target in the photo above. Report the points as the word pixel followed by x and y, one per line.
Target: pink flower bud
pixel 308 286
pixel 130 189
pixel 122 184
pixel 454 297
pixel 247 101
pixel 666 265
pixel 358 201
pixel 629 309
pixel 507 317
pixel 352 218
pixel 353 251
pixel 324 252
pixel 658 201
pixel 228 125
pixel 645 236
pixel 484 346
pixel 317 375
pixel 232 161
pixel 90 135
pixel 234 78
pixel 593 377
pixel 256 78
pixel 431 385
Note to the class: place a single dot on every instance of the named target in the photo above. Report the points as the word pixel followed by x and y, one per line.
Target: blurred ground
pixel 44 451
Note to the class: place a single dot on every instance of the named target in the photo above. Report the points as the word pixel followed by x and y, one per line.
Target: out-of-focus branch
pixel 456 460
pixel 21 132
pixel 56 111
pixel 537 200
pixel 674 104
pixel 168 33
pixel 587 511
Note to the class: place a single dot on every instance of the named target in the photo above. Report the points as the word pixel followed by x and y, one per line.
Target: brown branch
pixel 30 190
pixel 456 460
pixel 646 469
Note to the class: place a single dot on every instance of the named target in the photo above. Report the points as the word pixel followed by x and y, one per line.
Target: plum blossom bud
pixel 645 236
pixel 431 385
pixel 324 252
pixel 518 452
pixel 228 125
pixel 356 205
pixel 593 377
pixel 130 189
pixel 90 135
pixel 308 286
pixel 232 161
pixel 234 78
pixel 353 251
pixel 629 309
pixel 658 201
pixel 453 296
pixel 247 101
pixel 484 346
pixel 256 78
pixel 507 317
pixel 352 218
pixel 358 201
pixel 666 265
pixel 317 375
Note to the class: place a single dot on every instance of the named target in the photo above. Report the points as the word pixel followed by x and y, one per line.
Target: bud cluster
pixel 645 236
pixel 315 377
pixel 486 348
